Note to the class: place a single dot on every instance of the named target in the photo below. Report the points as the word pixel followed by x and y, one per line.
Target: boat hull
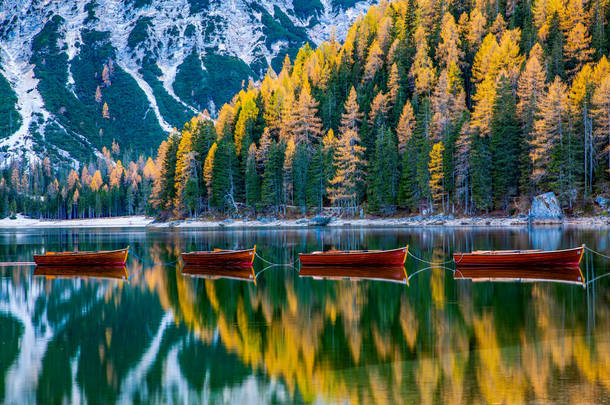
pixel 104 258
pixel 567 257
pixel 220 258
pixel 395 257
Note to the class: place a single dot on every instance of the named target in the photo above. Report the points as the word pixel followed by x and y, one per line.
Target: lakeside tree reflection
pixel 162 336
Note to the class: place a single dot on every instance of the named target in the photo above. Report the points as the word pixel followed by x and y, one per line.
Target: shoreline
pixel 139 221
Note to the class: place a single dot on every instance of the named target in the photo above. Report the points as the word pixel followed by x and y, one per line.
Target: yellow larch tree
pixel 476 28
pixel 150 170
pixel 550 128
pixel 348 161
pixel 85 177
pixel 307 125
pixel 245 121
pixel 544 12
pixel 182 164
pixel 393 85
pixel 448 102
pixel 422 69
pixel 116 175
pixel 158 179
pixel 96 181
pixel 352 117
pixel 208 167
pixel 448 49
pixel 379 110
pixel 405 127
pixel 73 180
pixel 578 49
pixel 531 87
pixel 435 167
pixel 374 62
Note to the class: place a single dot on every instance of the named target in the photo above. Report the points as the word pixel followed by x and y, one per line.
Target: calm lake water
pixel 159 336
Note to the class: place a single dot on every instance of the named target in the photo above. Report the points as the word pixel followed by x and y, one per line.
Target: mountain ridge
pixel 169 59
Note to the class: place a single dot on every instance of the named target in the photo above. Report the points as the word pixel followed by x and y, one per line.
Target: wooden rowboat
pixel 553 274
pixel 105 272
pixel 395 257
pixel 495 258
pixel 220 257
pixel 245 273
pixel 99 258
pixel 395 274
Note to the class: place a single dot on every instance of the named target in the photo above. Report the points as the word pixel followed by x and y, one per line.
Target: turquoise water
pixel 156 335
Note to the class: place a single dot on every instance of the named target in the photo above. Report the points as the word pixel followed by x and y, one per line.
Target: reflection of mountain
pixel 165 337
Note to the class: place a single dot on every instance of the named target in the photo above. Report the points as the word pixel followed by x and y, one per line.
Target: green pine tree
pixel 506 140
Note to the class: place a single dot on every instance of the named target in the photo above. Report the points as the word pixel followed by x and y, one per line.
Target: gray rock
pixel 546 206
pixel 603 202
pixel 302 221
pixel 319 220
pixel 265 220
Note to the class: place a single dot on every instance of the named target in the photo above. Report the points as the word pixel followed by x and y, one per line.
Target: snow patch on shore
pixel 113 222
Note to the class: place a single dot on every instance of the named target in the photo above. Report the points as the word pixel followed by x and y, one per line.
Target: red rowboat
pixel 109 272
pixel 215 272
pixel 101 258
pixel 555 274
pixel 395 257
pixel 494 258
pixel 396 274
pixel 220 257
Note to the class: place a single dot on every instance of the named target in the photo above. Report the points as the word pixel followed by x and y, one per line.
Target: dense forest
pixel 427 106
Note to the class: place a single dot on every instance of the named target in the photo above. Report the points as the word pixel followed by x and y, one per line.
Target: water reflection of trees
pixel 165 337
pixel 367 342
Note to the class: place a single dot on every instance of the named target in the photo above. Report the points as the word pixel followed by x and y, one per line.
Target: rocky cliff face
pixel 75 75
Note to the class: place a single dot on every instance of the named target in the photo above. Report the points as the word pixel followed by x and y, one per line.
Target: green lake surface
pixel 423 336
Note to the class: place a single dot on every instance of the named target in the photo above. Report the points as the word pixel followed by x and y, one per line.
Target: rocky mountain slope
pixel 75 75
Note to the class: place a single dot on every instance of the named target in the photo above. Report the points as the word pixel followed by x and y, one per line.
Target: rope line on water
pixel 271 264
pixel 430 263
pixel 596 252
pixel 152 263
pixel 268 267
pixel 598 277
pixel 433 267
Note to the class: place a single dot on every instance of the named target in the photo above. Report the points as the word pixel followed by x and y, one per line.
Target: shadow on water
pixel 424 333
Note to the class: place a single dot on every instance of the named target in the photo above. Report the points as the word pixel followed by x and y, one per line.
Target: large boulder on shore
pixel 546 206
pixel 603 202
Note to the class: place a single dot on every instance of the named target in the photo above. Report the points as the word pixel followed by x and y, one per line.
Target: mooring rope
pixel 152 263
pixel 271 264
pixel 430 263
pixel 433 267
pixel 596 252
pixel 598 277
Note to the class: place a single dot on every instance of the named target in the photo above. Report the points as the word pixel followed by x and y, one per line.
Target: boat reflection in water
pixel 244 273
pixel 104 272
pixel 554 274
pixel 395 274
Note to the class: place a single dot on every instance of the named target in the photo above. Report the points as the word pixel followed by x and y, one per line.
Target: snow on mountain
pixel 167 60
